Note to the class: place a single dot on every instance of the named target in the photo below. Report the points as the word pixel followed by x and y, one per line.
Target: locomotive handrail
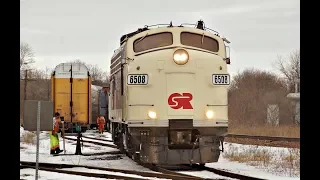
pixel 182 25
pixel 147 26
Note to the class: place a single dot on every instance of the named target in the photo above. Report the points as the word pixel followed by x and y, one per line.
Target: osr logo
pixel 177 101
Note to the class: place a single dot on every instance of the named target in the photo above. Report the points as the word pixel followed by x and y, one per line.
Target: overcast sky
pixel 63 30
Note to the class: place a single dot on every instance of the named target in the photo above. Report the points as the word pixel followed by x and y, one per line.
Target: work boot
pixel 52 152
pixel 58 150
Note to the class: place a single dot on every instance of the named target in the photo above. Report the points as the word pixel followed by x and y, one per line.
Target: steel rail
pixel 166 174
pixel 93 142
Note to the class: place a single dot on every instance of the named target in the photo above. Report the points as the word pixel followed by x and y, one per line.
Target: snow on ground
pixel 94 134
pixel 108 172
pixel 28 153
pixel 205 174
pixel 45 175
pixel 244 169
pixel 269 171
pixel 265 172
pixel 225 164
pixel 29 174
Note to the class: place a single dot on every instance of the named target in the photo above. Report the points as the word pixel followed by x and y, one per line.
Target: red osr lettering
pixel 177 101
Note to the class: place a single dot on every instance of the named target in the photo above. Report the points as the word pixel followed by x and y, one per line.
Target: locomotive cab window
pixel 152 41
pixel 199 41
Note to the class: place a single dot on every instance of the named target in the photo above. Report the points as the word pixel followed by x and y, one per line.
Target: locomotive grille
pixel 181 134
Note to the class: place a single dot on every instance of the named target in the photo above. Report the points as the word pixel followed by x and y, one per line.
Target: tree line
pixel 250 91
pixel 35 83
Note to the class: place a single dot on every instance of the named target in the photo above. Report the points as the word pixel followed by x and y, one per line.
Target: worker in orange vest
pixel 54 138
pixel 101 122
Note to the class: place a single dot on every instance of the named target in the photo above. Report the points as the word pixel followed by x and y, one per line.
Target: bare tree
pixel 250 93
pixel 96 72
pixel 78 61
pixel 26 54
pixel 106 77
pixel 98 76
pixel 48 72
pixel 290 68
pixel 38 87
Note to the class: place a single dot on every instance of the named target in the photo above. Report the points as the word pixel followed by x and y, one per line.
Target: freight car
pixel 102 99
pixel 71 95
pixel 168 94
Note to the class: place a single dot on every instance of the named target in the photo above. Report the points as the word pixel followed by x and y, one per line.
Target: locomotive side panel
pixel 117 89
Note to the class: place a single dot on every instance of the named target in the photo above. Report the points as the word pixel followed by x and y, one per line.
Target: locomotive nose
pixel 181 97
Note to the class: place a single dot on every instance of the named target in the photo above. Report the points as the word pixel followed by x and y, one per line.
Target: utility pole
pixel 25 85
pixel 71 102
pixel 48 89
pixel 48 79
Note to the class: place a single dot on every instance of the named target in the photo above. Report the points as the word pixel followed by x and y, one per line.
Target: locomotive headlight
pixel 209 114
pixel 180 57
pixel 152 115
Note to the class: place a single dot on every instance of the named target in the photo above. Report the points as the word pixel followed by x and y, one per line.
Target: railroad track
pixel 165 171
pixel 193 167
pixel 79 173
pixel 93 142
pixel 93 154
pixel 151 167
pixel 242 136
pixel 268 138
pixel 106 140
pixel 59 169
pixel 226 173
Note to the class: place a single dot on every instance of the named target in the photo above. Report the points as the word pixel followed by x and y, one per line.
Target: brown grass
pixel 276 162
pixel 263 142
pixel 265 130
pixel 248 155
pixel 28 138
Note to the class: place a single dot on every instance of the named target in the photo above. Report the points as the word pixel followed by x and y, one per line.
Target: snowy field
pixel 28 153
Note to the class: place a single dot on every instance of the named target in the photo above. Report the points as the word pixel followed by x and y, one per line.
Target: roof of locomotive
pixel 200 25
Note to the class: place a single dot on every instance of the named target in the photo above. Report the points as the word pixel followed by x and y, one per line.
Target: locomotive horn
pixel 200 24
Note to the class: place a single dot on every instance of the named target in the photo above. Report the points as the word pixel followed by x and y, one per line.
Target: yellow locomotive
pixel 168 94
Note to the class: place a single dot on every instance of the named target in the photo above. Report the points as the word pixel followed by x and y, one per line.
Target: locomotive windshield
pixel 199 41
pixel 153 41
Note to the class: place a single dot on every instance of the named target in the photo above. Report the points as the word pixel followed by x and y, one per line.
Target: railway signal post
pixel 79 137
pixel 64 142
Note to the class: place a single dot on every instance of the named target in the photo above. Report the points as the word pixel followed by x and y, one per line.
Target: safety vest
pixel 102 120
pixel 56 126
